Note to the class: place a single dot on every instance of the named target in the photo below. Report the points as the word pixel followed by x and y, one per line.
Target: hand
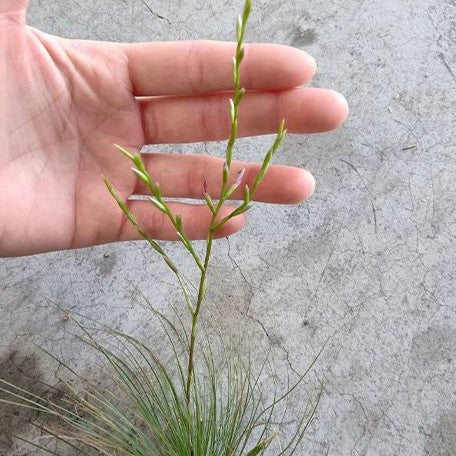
pixel 64 103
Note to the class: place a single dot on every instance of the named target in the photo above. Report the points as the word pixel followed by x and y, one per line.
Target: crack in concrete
pixel 249 285
pixel 272 341
pixel 159 16
pixel 441 54
pixel 374 209
pixel 247 314
pixel 328 260
pixel 447 66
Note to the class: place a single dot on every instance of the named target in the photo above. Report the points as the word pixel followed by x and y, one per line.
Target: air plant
pixel 198 403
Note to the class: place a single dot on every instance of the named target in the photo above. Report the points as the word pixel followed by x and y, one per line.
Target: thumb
pixel 14 8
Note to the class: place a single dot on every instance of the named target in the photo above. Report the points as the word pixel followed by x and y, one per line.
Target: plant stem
pixel 159 203
pixel 195 314
pixel 234 108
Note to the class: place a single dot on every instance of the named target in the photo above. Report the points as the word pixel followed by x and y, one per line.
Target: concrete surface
pixel 369 262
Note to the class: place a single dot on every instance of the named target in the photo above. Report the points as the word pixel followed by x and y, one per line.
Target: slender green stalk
pixel 234 109
pixel 195 315
pixel 226 192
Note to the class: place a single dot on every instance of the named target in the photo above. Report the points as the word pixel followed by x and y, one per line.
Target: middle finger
pixel 207 118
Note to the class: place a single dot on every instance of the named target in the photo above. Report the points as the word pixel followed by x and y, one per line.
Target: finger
pixel 183 176
pixel 176 68
pixel 15 9
pixel 207 118
pixel 196 221
pixel 13 5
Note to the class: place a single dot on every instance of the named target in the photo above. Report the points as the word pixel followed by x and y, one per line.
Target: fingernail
pixel 313 63
pixel 341 100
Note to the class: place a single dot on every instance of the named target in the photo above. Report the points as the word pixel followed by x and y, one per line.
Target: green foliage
pixel 156 198
pixel 197 404
pixel 148 415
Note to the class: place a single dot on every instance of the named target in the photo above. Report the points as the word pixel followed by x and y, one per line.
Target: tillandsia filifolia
pixel 155 197
pixel 190 405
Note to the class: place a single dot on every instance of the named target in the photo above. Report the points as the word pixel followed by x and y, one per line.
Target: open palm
pixel 66 102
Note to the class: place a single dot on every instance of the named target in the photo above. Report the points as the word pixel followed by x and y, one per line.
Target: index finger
pixel 189 67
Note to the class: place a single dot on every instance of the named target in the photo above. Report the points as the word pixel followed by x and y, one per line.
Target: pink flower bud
pixel 240 176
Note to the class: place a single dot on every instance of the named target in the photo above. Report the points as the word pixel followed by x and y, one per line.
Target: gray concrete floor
pixel 368 262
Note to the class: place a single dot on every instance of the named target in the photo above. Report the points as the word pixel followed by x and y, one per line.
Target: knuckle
pixel 195 67
pixel 195 180
pixel 214 118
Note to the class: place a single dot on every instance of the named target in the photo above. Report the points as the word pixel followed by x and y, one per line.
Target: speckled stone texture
pixel 367 265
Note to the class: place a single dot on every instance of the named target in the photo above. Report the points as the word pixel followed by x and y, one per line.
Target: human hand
pixel 66 102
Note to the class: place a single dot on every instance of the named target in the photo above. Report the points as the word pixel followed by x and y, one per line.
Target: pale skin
pixel 64 103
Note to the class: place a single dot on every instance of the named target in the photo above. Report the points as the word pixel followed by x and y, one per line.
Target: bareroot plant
pixel 197 403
